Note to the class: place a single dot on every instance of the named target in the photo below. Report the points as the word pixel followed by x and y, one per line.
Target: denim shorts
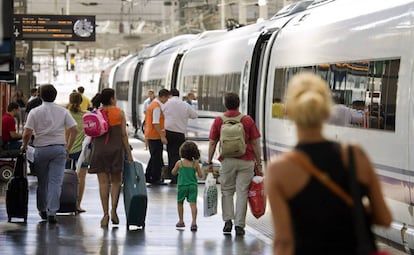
pixel 71 164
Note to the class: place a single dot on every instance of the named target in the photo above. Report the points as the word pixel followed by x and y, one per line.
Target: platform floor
pixel 82 234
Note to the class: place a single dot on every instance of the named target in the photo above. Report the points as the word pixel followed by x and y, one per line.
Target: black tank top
pixel 20 102
pixel 322 222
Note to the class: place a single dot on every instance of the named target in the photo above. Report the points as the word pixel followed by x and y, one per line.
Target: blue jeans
pixel 49 165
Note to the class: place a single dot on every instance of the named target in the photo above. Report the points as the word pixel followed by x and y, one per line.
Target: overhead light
pixel 261 2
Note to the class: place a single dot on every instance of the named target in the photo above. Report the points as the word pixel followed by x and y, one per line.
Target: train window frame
pixel 353 82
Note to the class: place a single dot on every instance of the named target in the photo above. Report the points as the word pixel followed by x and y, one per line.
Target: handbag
pixel 365 238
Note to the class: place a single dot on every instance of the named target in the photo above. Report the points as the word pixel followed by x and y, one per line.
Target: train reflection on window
pixel 156 85
pixel 364 92
pixel 211 88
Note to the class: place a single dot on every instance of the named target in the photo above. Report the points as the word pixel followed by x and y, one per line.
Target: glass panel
pixel 211 88
pixel 122 88
pixel 365 92
pixel 155 85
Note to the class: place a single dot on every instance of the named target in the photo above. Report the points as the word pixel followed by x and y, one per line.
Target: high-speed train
pixel 362 48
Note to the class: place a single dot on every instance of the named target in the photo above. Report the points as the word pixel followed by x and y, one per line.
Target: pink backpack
pixel 95 123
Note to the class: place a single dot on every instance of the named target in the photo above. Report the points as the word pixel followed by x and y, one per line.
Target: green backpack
pixel 232 142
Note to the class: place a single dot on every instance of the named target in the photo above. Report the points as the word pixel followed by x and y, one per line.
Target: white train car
pixel 360 48
pixel 132 78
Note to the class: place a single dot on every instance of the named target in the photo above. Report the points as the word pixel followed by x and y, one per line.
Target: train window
pixel 366 89
pixel 122 88
pixel 211 88
pixel 155 85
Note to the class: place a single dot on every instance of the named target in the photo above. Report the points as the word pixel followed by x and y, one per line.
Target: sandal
pixel 180 225
pixel 194 227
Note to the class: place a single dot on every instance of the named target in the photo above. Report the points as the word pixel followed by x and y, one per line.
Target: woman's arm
pixel 124 137
pixel 381 215
pixel 283 242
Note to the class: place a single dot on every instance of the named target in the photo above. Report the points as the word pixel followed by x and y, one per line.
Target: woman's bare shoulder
pixel 280 165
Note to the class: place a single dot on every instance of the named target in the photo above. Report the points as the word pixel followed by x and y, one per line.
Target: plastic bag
pixel 210 196
pixel 85 144
pixel 257 198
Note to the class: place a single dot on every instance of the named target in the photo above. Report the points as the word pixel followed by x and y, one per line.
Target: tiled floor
pixel 82 234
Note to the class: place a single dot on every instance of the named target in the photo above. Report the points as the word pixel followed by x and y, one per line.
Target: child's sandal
pixel 194 227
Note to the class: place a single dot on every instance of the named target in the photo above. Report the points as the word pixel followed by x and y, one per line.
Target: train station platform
pixel 82 234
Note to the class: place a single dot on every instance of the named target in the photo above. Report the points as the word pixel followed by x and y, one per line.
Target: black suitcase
pixel 69 193
pixel 17 195
pixel 135 194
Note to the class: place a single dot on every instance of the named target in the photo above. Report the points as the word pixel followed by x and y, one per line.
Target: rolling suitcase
pixel 17 195
pixel 135 194
pixel 69 194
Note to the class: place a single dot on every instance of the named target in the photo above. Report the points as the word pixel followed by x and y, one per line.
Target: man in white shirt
pixel 48 122
pixel 177 112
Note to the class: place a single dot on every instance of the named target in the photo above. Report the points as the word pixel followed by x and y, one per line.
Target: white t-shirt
pixel 177 112
pixel 48 122
pixel 341 115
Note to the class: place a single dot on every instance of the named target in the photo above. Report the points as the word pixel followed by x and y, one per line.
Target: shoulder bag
pixel 365 238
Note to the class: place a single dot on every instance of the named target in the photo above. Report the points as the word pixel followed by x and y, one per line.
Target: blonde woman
pixel 308 217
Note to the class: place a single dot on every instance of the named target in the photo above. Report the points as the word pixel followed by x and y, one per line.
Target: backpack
pixel 232 143
pixel 95 123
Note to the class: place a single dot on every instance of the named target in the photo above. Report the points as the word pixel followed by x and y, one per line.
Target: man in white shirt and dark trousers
pixel 177 112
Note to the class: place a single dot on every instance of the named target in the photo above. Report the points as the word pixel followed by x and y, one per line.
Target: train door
pixel 258 71
pixel 136 98
pixel 174 74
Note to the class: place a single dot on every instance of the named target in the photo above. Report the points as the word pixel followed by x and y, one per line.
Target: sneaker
pixel 52 219
pixel 239 231
pixel 227 227
pixel 43 215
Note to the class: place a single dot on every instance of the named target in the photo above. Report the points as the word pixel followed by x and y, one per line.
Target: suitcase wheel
pixel 6 173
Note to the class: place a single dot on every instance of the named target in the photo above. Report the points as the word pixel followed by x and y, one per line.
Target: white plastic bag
pixel 85 144
pixel 210 196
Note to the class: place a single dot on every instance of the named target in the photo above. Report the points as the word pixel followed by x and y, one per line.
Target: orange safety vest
pixel 150 131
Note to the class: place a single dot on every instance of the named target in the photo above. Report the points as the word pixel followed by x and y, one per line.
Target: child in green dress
pixel 186 168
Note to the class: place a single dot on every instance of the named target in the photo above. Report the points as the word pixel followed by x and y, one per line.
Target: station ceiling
pixel 125 26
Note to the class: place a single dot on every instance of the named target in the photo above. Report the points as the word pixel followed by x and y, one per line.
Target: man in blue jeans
pixel 48 122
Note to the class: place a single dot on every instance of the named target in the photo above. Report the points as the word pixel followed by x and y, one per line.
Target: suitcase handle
pixel 136 173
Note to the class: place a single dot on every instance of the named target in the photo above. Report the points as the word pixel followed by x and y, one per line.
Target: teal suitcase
pixel 135 194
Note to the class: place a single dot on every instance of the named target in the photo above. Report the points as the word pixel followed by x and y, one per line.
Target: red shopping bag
pixel 257 198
